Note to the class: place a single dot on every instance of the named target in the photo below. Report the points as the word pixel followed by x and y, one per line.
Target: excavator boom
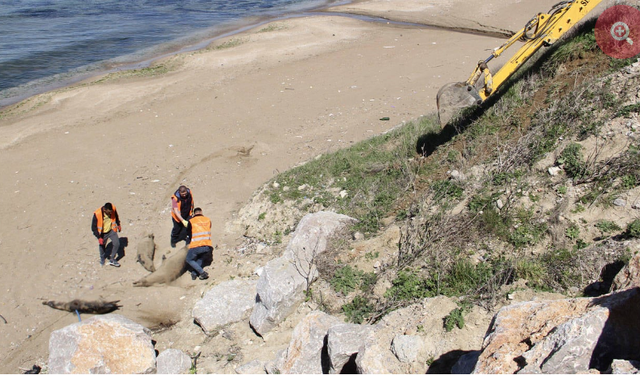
pixel 542 30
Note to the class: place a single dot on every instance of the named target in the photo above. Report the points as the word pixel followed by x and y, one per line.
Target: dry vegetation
pixel 477 211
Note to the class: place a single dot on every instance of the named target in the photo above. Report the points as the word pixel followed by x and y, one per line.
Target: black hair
pixel 108 206
pixel 197 209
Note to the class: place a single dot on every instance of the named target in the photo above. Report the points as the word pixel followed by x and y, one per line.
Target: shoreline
pixel 175 47
pixel 196 41
pixel 306 86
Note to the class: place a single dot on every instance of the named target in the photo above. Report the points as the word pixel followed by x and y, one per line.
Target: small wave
pixel 48 42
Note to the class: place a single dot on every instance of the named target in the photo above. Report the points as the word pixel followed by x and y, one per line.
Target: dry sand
pixel 289 91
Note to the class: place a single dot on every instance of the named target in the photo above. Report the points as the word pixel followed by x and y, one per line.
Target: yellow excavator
pixel 542 30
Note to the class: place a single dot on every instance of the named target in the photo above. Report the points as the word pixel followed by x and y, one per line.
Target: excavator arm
pixel 542 30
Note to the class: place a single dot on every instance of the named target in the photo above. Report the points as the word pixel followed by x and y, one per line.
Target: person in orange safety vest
pixel 105 225
pixel 200 247
pixel 181 211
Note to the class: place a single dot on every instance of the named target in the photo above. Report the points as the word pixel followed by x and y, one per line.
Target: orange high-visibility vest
pixel 176 197
pixel 200 232
pixel 99 215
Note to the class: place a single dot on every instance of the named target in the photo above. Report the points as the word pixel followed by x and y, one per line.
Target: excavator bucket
pixel 453 97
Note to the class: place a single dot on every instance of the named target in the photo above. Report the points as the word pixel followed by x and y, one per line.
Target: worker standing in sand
pixel 181 211
pixel 105 226
pixel 200 247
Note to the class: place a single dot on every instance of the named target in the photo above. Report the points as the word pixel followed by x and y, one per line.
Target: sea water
pixel 45 44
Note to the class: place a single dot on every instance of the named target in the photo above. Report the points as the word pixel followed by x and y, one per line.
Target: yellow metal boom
pixel 543 29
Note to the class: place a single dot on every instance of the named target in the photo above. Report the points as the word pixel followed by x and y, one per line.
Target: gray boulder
pixel 273 366
pixel 407 348
pixel 304 353
pixel 279 290
pixel 103 344
pixel 563 336
pixel 375 357
pixel 568 348
pixel 226 303
pixel 283 279
pixel 629 276
pixel 311 235
pixel 343 343
pixel 173 361
pixel 620 366
pixel 525 322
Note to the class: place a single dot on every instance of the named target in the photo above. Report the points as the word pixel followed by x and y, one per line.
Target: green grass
pixel 358 310
pixel 628 109
pixel 475 249
pixel 607 226
pixel 346 279
pixel 375 173
pixel 447 189
pixel 572 160
pixel 633 229
pixel 465 277
pixel 408 285
pixel 629 181
pixel 151 71
pixel 273 27
pixel 230 43
pixel 572 232
pixel 576 48
pixel 531 270
pixel 456 317
pixel 560 268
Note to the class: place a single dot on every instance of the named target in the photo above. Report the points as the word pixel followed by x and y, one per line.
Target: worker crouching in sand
pixel 200 247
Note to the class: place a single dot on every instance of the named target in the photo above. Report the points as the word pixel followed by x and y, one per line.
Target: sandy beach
pixel 221 121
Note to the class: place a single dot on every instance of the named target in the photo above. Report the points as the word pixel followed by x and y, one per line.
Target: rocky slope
pixel 505 188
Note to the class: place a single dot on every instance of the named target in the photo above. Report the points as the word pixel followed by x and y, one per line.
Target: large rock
pixel 620 366
pixel 278 290
pixel 375 357
pixel 568 348
pixel 407 348
pixel 173 361
pixel 283 279
pixel 563 336
pixel 103 344
pixel 343 343
pixel 306 351
pixel 629 276
pixel 311 235
pixel 226 303
pixel 518 327
pixel 273 366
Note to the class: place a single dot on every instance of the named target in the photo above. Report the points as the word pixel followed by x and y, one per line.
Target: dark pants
pixel 179 233
pixel 115 245
pixel 197 256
